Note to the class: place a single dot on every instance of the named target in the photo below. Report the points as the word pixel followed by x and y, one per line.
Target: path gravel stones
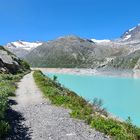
pixel 36 119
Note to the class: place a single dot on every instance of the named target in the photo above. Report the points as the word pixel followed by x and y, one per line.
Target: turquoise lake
pixel 121 96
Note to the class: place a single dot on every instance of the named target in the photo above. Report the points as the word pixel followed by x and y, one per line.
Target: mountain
pixel 132 34
pixel 22 48
pixel 9 63
pixel 72 51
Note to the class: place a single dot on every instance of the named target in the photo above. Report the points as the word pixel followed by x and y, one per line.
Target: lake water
pixel 121 96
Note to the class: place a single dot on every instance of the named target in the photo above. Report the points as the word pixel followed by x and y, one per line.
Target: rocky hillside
pixel 9 63
pixel 72 51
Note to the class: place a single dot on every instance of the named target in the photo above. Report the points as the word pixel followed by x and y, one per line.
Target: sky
pixel 42 20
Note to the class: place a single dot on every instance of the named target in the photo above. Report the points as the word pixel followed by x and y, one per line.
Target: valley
pixel 36 101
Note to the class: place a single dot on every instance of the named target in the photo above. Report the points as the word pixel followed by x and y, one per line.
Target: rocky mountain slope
pixel 72 51
pixel 9 63
pixel 132 34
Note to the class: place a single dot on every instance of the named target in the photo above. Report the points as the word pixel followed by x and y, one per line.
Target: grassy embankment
pixel 7 88
pixel 91 113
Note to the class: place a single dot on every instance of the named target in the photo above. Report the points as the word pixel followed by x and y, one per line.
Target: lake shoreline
pixel 93 72
pixel 126 74
pixel 79 110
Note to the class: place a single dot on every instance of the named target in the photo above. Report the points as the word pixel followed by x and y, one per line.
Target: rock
pixel 9 63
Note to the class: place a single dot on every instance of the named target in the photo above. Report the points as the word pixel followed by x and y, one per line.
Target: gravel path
pixel 35 118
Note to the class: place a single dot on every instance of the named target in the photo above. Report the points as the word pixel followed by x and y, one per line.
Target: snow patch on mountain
pixel 100 41
pixel 127 37
pixel 132 29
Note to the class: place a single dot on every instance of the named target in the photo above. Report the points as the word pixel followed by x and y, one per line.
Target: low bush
pixel 25 65
pixel 110 127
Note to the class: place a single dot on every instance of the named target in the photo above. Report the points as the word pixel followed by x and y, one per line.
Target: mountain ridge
pixel 73 51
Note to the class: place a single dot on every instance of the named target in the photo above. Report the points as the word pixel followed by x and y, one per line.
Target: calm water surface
pixel 121 96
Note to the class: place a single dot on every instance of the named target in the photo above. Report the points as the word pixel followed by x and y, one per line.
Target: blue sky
pixel 44 20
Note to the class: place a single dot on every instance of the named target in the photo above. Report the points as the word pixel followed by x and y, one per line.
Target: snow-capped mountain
pixel 132 34
pixel 22 48
pixel 24 45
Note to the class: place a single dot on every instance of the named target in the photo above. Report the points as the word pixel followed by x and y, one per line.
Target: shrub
pixel 24 65
pixel 109 127
pixel 4 128
pixel 55 78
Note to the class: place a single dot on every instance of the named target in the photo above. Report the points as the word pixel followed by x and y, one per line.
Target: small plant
pixel 55 78
pixel 97 104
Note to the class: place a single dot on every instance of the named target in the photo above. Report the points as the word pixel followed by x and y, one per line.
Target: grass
pixel 7 88
pixel 92 113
